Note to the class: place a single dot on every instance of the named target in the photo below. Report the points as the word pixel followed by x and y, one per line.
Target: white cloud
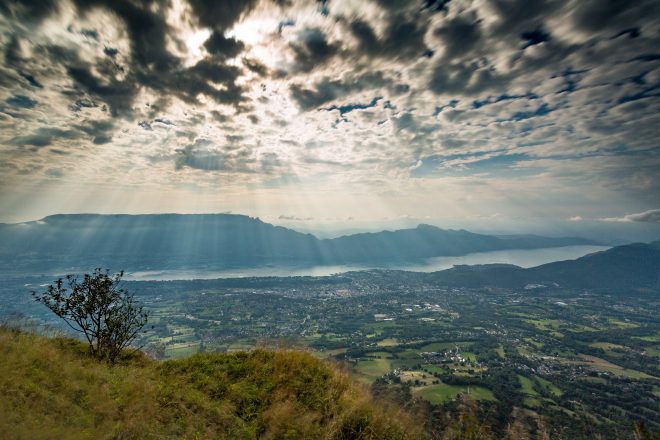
pixel 650 216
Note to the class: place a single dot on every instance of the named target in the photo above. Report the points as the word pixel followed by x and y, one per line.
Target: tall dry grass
pixel 51 389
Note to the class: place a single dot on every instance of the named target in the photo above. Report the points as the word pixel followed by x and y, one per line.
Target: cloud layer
pixel 368 108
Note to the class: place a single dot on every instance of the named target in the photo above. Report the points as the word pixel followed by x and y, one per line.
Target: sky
pixel 345 114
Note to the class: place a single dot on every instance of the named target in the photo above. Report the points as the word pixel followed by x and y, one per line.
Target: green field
pixel 603 365
pixel 653 351
pixel 531 402
pixel 548 386
pixel 182 350
pixel 406 359
pixel 650 338
pixel 607 346
pixel 546 325
pixel 371 369
pixel 420 376
pixel 625 372
pixel 527 386
pixel 534 342
pixel 379 354
pixel 442 346
pixel 442 392
pixel 622 324
pixel 579 328
pixel 389 342
pixel 433 369
pixel 325 354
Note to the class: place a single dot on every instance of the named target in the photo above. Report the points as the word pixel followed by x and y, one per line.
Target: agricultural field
pixel 442 393
pixel 584 361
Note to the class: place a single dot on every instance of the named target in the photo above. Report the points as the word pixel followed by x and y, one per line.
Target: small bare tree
pixel 107 315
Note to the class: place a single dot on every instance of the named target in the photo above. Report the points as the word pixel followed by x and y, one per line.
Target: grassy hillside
pixel 52 390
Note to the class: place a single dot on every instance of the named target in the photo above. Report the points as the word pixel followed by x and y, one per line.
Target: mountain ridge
pixel 230 240
pixel 636 265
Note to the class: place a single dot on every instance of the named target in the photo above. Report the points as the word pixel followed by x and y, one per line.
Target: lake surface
pixel 522 258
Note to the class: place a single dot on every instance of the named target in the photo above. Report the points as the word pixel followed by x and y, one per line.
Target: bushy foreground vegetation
pixel 52 389
pixel 99 309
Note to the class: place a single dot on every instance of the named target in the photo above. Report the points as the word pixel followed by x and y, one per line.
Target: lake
pixel 519 257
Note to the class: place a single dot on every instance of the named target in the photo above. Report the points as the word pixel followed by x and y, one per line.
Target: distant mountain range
pixel 167 241
pixel 635 266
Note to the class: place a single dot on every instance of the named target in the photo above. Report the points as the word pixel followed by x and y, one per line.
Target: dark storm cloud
pixel 220 14
pixel 21 101
pixel 164 121
pixel 200 79
pixel 347 108
pixel 43 137
pixel 100 131
pixel 118 94
pixel 328 90
pixel 467 65
pixel 312 49
pixel 219 45
pixel 150 64
pixel 32 80
pixel 325 91
pixel 14 60
pixel 614 15
pixel 532 38
pixel 436 5
pixel 198 157
pixel 102 140
pixel 255 66
pixel 147 30
pixel 82 103
pixel 406 121
pixel 90 33
pixel 30 10
pixel 205 155
pixel 110 51
pixel 402 38
pixel 97 131
pixel 508 65
pixel 392 5
pixel 12 52
pixel 468 79
pixel 517 16
pixel 459 36
pixel 153 66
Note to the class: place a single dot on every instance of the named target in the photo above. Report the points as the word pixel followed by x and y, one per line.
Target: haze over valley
pixel 227 242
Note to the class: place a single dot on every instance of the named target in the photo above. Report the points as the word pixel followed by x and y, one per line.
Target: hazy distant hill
pixel 426 241
pixel 223 240
pixel 631 266
pixel 151 241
